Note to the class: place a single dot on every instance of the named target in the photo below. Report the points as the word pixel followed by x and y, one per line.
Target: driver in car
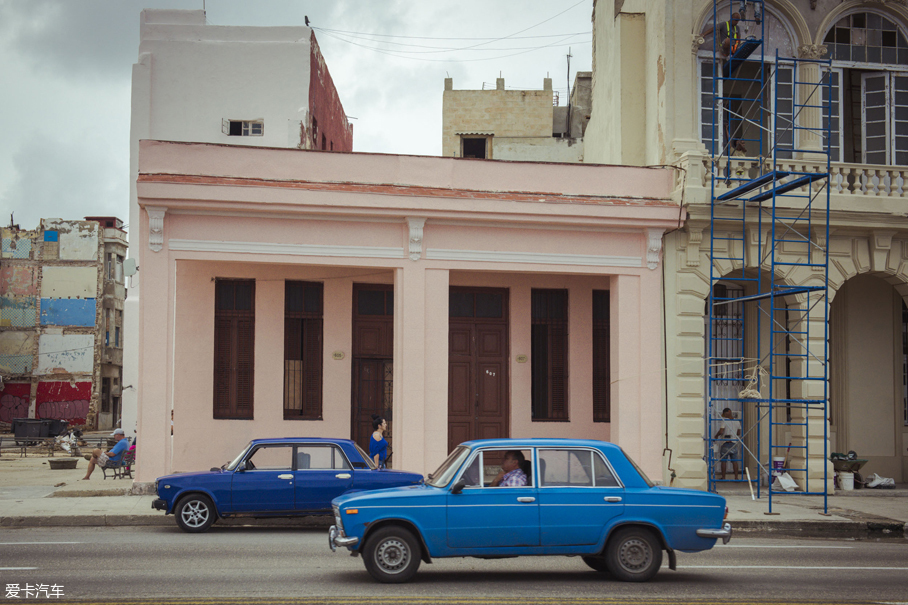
pixel 511 474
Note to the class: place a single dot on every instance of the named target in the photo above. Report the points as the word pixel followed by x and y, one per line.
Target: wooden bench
pixel 122 468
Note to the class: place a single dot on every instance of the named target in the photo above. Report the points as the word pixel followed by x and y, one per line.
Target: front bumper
pixel 159 504
pixel 724 533
pixel 337 538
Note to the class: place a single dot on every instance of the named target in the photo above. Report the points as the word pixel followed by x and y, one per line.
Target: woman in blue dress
pixel 378 445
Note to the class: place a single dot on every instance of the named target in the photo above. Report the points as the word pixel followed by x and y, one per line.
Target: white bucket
pixel 778 463
pixel 846 480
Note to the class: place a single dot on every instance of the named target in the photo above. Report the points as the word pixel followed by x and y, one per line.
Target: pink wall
pixel 276 215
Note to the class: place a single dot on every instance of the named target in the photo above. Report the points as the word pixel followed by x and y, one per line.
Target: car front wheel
pixel 634 554
pixel 392 555
pixel 195 513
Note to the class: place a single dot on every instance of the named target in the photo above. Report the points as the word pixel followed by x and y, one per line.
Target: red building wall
pixel 63 400
pixel 328 125
pixel 14 400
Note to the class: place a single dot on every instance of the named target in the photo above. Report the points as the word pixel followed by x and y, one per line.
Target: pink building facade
pixel 295 293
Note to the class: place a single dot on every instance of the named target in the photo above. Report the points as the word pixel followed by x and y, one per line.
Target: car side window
pixel 320 457
pixel 566 468
pixel 472 476
pixel 270 458
pixel 604 475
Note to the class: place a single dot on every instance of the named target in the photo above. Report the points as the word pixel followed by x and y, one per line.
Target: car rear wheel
pixel 195 513
pixel 633 554
pixel 597 563
pixel 392 555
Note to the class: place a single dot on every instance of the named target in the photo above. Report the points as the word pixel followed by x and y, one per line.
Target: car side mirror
pixel 458 487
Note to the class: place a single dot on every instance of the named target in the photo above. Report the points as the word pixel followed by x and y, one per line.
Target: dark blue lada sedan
pixel 514 497
pixel 274 478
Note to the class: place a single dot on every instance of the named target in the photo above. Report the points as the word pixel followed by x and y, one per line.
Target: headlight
pixel 155 486
pixel 337 517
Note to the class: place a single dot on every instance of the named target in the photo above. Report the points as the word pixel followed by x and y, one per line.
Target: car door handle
pixel 526 499
pixel 285 476
pixel 613 498
pixel 343 476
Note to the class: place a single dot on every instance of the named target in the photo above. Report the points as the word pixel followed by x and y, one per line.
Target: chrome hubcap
pixel 635 555
pixel 195 513
pixel 392 555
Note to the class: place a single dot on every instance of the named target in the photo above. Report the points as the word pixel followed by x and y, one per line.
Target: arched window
pixel 869 83
pixel 738 117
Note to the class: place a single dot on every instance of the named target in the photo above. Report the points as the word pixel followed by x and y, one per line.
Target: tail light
pixel 726 513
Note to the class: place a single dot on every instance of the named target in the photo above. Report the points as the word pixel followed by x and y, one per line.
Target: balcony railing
pixel 844 179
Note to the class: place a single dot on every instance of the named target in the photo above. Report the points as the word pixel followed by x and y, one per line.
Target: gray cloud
pixel 65 179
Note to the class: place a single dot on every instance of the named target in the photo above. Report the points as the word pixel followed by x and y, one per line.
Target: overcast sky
pixel 65 69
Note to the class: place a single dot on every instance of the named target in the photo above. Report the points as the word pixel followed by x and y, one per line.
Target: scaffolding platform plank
pixel 756 183
pixel 765 295
pixel 786 187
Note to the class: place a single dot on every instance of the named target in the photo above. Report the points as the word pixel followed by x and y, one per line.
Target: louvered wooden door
pixel 478 403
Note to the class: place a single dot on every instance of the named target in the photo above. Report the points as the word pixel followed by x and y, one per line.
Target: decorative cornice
pixel 653 247
pixel 812 51
pixel 415 240
pixel 189 245
pixel 495 256
pixel 155 227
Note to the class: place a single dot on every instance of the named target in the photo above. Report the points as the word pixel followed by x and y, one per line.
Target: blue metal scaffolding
pixel 767 337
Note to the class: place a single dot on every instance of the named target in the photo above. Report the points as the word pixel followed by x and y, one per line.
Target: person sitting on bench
pixel 110 458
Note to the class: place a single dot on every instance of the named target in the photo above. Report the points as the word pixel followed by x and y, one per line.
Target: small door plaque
pixel 522 359
pixel 338 355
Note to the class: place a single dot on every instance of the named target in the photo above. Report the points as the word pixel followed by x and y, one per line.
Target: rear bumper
pixel 337 538
pixel 724 533
pixel 159 504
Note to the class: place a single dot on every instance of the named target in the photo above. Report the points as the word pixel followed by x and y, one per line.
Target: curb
pixel 857 530
pixel 153 520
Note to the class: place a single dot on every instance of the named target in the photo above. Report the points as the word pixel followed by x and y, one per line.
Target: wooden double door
pixel 478 351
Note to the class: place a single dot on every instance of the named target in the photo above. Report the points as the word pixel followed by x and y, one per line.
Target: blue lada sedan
pixel 513 497
pixel 274 478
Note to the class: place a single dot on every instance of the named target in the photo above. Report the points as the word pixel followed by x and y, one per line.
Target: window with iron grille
pixel 234 346
pixel 602 383
pixel 549 355
pixel 302 350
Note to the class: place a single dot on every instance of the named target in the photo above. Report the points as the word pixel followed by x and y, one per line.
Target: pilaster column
pixel 420 412
pixel 810 96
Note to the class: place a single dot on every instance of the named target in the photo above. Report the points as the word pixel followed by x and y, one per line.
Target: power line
pixel 340 31
pixel 437 49
pixel 562 42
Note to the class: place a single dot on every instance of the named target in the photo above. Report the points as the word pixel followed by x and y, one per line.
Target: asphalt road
pixel 268 565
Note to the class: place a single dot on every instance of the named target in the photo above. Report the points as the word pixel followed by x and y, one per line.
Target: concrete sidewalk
pixel 32 494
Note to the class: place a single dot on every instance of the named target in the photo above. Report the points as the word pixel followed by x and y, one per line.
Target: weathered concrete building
pixel 61 301
pixel 502 124
pixel 251 86
pixel 652 84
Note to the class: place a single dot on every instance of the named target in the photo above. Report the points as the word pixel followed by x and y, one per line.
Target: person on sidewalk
pixel 729 452
pixel 104 459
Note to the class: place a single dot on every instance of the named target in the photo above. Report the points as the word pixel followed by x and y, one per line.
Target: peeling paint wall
pixel 17 244
pixel 66 353
pixel 17 352
pixel 333 131
pixel 54 285
pixel 78 240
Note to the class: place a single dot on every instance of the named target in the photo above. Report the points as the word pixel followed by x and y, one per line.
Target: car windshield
pixel 639 470
pixel 232 464
pixel 445 472
pixel 365 457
